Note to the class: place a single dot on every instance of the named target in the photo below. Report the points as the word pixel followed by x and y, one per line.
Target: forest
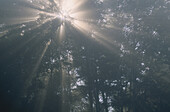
pixel 84 55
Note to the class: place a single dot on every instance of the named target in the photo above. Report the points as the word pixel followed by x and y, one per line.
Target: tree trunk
pixel 105 101
pixel 97 98
pixel 90 101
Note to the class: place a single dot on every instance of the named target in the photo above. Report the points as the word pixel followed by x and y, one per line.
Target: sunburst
pixel 75 13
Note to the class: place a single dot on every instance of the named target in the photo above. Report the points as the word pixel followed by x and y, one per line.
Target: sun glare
pixel 72 11
pixel 64 15
pixel 69 10
pixel 79 14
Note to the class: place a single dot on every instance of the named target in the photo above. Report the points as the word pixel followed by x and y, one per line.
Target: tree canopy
pixel 84 56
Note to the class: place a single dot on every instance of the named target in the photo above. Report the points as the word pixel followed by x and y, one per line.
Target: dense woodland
pixel 125 69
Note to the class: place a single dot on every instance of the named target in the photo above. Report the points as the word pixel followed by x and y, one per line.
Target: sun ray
pixel 67 14
pixel 33 73
pixel 40 99
pixel 60 33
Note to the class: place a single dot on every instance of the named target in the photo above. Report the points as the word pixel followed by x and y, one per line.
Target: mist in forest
pixel 84 55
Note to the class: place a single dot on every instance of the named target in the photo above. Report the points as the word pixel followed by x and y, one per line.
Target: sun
pixel 66 8
pixel 64 15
